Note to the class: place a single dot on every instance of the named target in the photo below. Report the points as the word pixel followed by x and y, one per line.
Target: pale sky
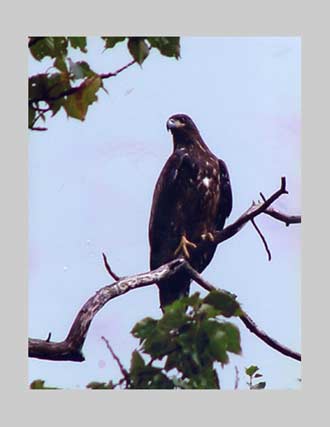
pixel 91 186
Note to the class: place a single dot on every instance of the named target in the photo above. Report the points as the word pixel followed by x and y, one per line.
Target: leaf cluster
pixel 186 344
pixel 73 86
pixel 40 385
pixel 252 373
pixel 183 348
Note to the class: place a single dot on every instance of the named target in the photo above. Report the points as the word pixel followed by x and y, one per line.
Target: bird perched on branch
pixel 192 200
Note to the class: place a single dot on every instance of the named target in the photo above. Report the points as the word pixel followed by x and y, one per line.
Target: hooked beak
pixel 173 124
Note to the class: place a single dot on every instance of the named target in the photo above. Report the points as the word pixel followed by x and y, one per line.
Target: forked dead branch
pixel 71 348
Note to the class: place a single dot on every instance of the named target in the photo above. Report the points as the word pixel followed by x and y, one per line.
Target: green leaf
pixel 76 105
pixel 193 300
pixel 160 381
pixel 206 379
pixel 208 311
pixel 49 46
pixel 78 43
pixel 80 69
pixel 38 86
pixel 112 41
pixel 174 316
pixel 149 378
pixel 258 386
pixel 37 384
pixel 85 69
pixel 60 63
pixel 144 328
pixel 40 385
pixel 217 340
pixel 94 385
pixel 171 361
pixel 233 337
pixel 224 302
pixel 138 49
pixel 251 370
pixel 137 362
pixel 168 46
pixel 158 345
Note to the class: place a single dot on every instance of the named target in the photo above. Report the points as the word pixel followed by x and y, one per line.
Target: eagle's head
pixel 181 123
pixel 184 131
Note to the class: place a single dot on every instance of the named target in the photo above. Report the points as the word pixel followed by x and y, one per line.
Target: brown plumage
pixel 192 199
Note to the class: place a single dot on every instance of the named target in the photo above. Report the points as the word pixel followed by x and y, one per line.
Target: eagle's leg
pixel 183 246
pixel 208 236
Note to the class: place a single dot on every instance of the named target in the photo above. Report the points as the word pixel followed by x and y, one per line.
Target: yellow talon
pixel 184 243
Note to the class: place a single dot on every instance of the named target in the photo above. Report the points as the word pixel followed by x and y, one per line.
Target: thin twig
pixel 42 112
pixel 251 325
pixel 236 378
pixel 75 89
pixel 287 219
pixel 121 366
pixel 252 212
pixel 262 238
pixel 108 268
pixel 39 129
pixel 115 73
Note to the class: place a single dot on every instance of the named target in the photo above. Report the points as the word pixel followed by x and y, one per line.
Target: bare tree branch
pixel 108 268
pixel 76 89
pixel 255 210
pixel 115 73
pixel 39 129
pixel 236 378
pixel 121 366
pixel 246 319
pixel 287 219
pixel 250 324
pixel 263 239
pixel 71 347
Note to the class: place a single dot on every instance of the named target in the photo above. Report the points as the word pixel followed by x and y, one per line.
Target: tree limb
pixel 75 89
pixel 71 347
pixel 287 219
pixel 254 210
pixel 246 319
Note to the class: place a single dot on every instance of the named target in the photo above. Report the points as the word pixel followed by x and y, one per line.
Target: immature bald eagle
pixel 192 199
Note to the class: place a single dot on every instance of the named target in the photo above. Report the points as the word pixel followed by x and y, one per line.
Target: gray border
pixel 175 18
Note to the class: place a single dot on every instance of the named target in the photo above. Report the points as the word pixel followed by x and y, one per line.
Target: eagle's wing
pixel 226 197
pixel 177 165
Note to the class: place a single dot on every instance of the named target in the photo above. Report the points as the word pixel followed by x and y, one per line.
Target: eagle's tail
pixel 174 288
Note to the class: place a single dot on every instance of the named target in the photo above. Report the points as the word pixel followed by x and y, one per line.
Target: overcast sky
pixel 91 186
